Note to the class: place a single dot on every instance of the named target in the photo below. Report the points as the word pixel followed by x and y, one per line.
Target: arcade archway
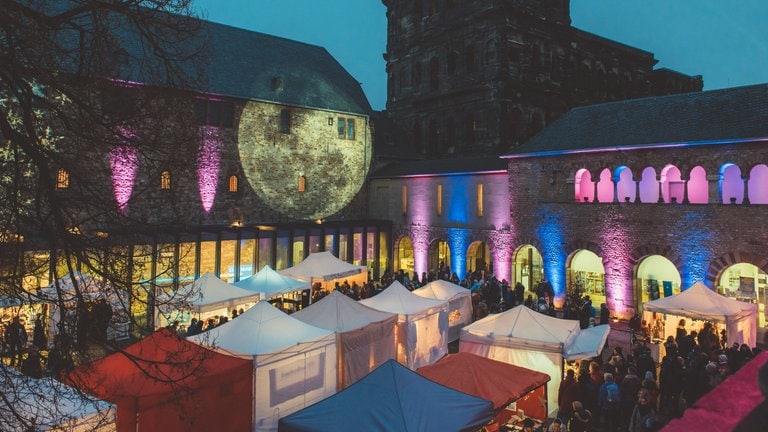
pixel 745 282
pixel 527 267
pixel 404 258
pixel 440 258
pixel 586 275
pixel 478 257
pixel 657 277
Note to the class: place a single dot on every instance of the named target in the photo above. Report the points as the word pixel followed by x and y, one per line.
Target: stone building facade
pixel 625 201
pixel 480 77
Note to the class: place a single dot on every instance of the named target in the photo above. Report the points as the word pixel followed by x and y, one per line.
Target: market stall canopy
pixel 701 303
pixel 50 405
pixel 498 382
pixel 324 266
pixel 459 303
pixel 722 408
pixel 294 363
pixel 262 329
pixel 67 287
pixel 533 340
pixel 422 324
pixel 270 283
pixel 365 336
pixel 404 401
pixel 159 383
pixel 208 293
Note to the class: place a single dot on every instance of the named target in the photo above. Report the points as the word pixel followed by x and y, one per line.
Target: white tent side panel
pixel 459 315
pixel 363 350
pixel 290 380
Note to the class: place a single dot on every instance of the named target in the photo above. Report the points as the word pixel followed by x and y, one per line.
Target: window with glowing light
pixel 404 199
pixel 479 199
pixel 62 179
pixel 165 180
pixel 233 184
pixel 439 200
pixel 302 184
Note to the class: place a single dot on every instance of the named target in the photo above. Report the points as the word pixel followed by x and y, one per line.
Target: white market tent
pixel 325 268
pixel 51 404
pixel 365 336
pixel 294 362
pixel 65 290
pixel 206 296
pixel 701 303
pixel 524 337
pixel 270 283
pixel 459 303
pixel 422 324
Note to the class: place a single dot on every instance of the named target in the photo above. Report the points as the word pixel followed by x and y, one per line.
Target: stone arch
pixel 731 184
pixel 757 185
pixel 719 264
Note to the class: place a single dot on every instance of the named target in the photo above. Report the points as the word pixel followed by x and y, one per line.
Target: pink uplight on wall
pixel 208 166
pixel 123 162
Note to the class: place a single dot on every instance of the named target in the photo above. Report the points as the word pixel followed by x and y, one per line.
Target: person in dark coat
pixel 569 392
pixel 38 334
pixel 757 419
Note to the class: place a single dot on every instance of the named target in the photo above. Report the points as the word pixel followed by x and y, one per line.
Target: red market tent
pixel 164 383
pixel 493 380
pixel 726 405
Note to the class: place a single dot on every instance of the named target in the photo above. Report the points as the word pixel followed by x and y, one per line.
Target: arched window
pixel 165 180
pixel 605 187
pixel 625 188
pixel 698 186
pixel 62 179
pixel 584 188
pixel 649 187
pixel 233 184
pixel 450 63
pixel 434 74
pixel 731 184
pixel 302 184
pixel 672 185
pixel 758 185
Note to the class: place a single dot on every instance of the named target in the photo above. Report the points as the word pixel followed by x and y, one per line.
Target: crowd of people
pixel 630 392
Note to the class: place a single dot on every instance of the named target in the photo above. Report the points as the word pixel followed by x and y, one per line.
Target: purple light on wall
pixel 124 162
pixel 618 278
pixel 420 249
pixel 208 166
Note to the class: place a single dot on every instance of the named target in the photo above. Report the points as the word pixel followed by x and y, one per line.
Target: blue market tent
pixel 400 400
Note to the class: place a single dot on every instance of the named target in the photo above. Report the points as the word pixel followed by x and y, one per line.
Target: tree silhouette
pixel 96 107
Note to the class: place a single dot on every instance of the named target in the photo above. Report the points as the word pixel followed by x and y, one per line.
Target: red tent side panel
pixel 164 383
pixel 727 404
pixel 499 382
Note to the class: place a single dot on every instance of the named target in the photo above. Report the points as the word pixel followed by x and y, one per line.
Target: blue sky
pixel 725 41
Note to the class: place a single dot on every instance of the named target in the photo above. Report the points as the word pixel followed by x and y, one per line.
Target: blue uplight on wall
pixel 693 243
pixel 458 240
pixel 553 256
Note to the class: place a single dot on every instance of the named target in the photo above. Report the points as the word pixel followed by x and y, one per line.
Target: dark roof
pixel 219 60
pixel 733 114
pixel 455 166
pixel 244 64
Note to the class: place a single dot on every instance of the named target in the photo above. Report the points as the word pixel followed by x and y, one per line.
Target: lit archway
pixel 657 277
pixel 439 258
pixel 586 276
pixel 745 282
pixel 404 258
pixel 527 267
pixel 478 257
pixel 584 187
